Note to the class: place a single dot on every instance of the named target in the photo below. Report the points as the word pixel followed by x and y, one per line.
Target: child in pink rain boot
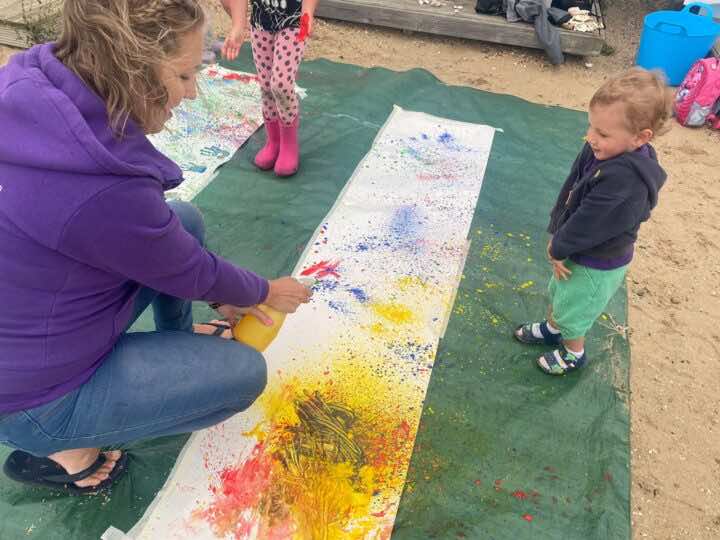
pixel 278 29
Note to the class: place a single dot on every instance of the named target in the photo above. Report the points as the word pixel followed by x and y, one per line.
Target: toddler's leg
pixel 288 54
pixel 262 48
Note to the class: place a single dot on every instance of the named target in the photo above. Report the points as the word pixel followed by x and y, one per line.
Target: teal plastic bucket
pixel 674 40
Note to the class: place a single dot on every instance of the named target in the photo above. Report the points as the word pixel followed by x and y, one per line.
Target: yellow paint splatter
pixel 407 283
pixel 527 284
pixel 393 312
pixel 377 328
pixel 325 470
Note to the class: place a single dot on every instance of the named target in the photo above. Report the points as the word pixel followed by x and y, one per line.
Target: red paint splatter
pixel 212 73
pixel 322 269
pixel 239 489
pixel 478 482
pixel 304 28
pixel 519 495
pixel 527 517
pixel 498 485
pixel 240 77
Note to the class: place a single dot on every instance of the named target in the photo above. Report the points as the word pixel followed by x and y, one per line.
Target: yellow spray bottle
pixel 250 331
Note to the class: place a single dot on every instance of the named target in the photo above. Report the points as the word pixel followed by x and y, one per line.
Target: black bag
pixel 489 7
pixel 567 4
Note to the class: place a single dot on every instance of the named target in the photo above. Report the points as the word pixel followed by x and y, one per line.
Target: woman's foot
pixel 79 459
pixel 214 328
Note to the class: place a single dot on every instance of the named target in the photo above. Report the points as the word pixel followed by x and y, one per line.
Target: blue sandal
pixel 561 362
pixel 523 334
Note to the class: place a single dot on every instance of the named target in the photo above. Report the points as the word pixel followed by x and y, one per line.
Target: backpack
pixel 489 7
pixel 698 98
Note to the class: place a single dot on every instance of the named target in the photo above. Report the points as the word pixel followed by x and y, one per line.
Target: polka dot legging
pixel 277 57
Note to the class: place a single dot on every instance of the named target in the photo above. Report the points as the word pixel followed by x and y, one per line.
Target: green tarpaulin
pixel 504 451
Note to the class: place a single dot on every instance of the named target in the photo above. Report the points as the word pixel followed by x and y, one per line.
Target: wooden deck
pixel 12 27
pixel 447 21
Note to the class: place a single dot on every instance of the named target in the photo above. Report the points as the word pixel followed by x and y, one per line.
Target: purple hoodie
pixel 83 225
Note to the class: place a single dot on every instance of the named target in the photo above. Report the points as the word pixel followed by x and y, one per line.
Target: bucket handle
pixel 683 31
pixel 700 6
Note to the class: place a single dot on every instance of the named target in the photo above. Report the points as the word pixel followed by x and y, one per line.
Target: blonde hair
pixel 117 46
pixel 647 99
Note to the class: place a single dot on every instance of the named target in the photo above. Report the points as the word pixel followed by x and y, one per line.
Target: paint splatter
pixel 322 269
pixel 329 459
pixel 242 77
pixel 519 495
pixel 359 294
pixel 395 313
pixel 527 517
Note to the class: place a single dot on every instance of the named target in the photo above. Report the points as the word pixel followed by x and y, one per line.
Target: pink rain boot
pixel 265 158
pixel 289 158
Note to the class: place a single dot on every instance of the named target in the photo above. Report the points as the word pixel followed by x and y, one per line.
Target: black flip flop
pixel 43 472
pixel 219 328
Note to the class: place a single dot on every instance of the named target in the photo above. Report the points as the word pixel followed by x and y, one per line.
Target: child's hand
pixel 233 42
pixel 560 271
pixel 310 22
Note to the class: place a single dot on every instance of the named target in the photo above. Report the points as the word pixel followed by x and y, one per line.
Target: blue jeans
pixel 151 384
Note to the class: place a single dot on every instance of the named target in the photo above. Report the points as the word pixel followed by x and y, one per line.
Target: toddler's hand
pixel 560 271
pixel 233 42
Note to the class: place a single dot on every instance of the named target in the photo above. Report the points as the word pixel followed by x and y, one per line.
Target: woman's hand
pixel 286 294
pixel 232 314
pixel 233 42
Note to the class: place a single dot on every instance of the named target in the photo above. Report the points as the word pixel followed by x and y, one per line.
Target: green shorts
pixel 578 301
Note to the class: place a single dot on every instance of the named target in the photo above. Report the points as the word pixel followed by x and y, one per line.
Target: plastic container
pixel 674 40
pixel 252 332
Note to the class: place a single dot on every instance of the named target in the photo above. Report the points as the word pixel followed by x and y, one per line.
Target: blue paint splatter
pixel 324 285
pixel 340 307
pixel 414 153
pixel 446 138
pixel 359 294
pixel 362 246
pixel 425 137
pixel 405 222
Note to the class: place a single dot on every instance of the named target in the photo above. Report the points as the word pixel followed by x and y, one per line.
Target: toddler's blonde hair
pixel 647 99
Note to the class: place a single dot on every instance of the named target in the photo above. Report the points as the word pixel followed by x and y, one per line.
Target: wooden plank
pixel 13 16
pixel 446 21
